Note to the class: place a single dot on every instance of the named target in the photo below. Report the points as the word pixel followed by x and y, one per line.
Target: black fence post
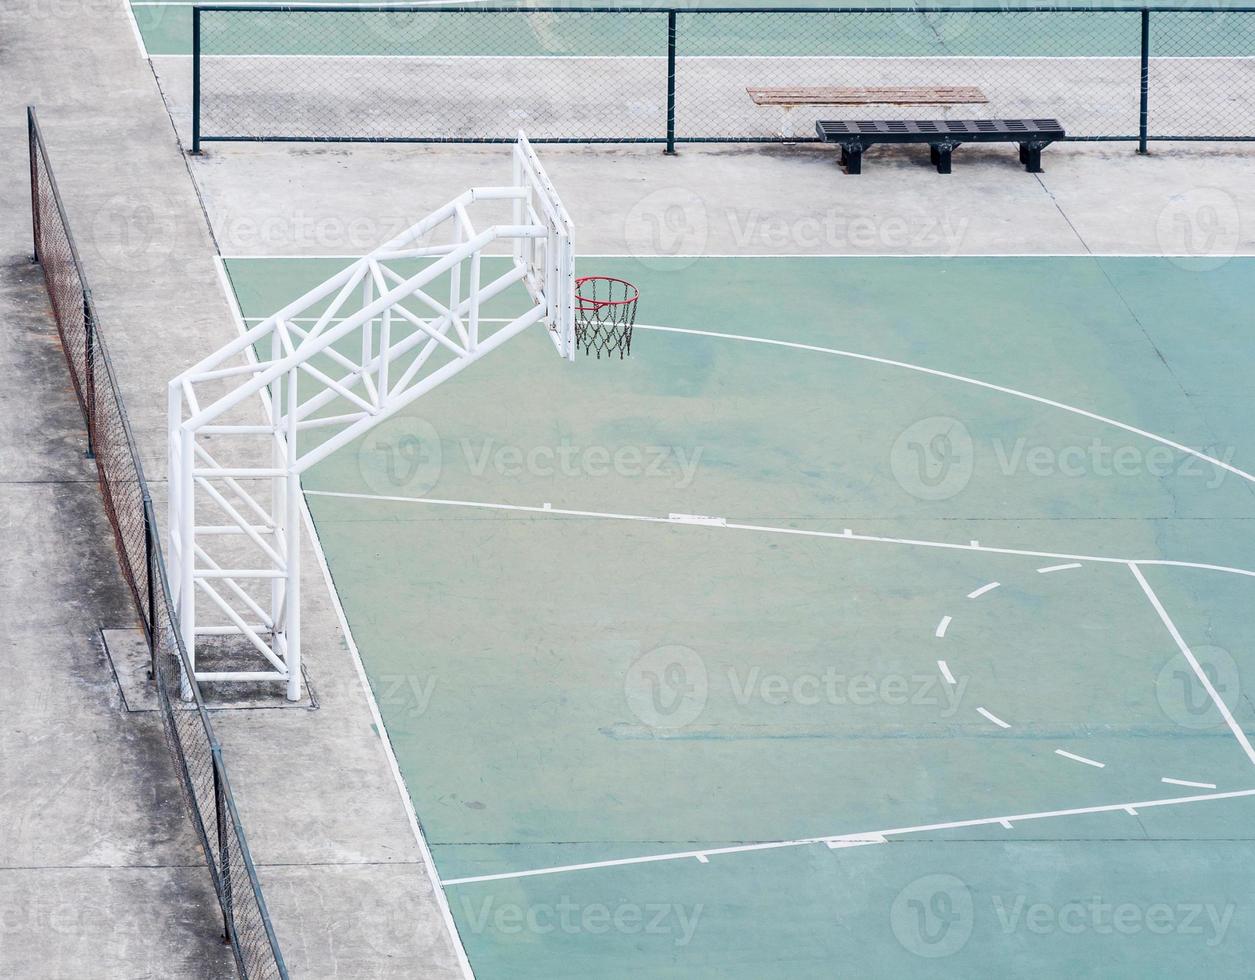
pixel 671 82
pixel 150 575
pixel 89 372
pixel 196 79
pixel 34 150
pixel 221 819
pixel 1145 104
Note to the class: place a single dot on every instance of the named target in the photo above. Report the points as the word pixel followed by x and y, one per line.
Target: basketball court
pixel 542 30
pixel 830 575
pixel 886 612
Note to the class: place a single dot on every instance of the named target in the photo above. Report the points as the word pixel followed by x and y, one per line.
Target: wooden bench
pixel 943 136
pixel 886 95
pixel 792 97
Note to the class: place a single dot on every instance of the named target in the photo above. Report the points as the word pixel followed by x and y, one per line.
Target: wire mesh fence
pixel 189 734
pixel 675 75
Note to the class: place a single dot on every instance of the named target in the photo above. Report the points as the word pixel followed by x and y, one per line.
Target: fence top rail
pixel 37 135
pixel 308 8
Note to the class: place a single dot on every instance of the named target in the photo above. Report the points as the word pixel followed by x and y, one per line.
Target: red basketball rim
pixel 586 303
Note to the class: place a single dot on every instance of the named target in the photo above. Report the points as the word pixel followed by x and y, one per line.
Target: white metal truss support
pixel 329 367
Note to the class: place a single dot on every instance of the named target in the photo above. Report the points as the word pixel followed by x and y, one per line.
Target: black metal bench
pixel 942 135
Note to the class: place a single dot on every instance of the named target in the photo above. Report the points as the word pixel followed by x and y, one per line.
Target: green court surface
pixel 954 32
pixel 871 619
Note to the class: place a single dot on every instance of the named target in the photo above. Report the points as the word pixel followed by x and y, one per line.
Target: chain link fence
pixel 680 75
pixel 189 734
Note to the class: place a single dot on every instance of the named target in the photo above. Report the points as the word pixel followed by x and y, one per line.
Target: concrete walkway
pixel 100 872
pixel 98 856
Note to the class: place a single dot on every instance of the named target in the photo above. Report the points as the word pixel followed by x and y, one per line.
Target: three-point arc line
pixel 986 713
pixel 1236 729
pixel 1058 568
pixel 1187 782
pixel 1080 758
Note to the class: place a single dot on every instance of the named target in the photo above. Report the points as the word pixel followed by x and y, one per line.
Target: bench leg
pixel 1030 156
pixel 786 123
pixel 940 155
pixel 852 157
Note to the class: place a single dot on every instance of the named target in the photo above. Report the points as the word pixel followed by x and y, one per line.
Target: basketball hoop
pixel 605 312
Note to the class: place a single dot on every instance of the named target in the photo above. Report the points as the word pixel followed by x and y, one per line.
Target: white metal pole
pixel 187 556
pixel 368 328
pixel 278 499
pixel 174 548
pixel 517 210
pixel 455 273
pixel 292 528
pixel 473 330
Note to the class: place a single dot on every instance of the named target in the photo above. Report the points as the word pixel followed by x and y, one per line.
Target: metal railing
pixel 189 734
pixel 673 75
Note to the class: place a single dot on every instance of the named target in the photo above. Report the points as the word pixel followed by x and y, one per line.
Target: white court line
pixel 304 256
pixel 793 345
pixel 983 589
pixel 697 519
pixel 416 828
pixel 808 58
pixel 943 626
pixel 837 843
pixel 428 861
pixel 985 712
pixel 768 529
pixel 1058 568
pixel 139 37
pixel 1187 782
pixel 945 671
pixel 1080 758
pixel 324 3
pixel 1188 654
pixel 871 837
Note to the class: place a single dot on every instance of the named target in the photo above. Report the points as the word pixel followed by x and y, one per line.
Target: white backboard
pixel 550 261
